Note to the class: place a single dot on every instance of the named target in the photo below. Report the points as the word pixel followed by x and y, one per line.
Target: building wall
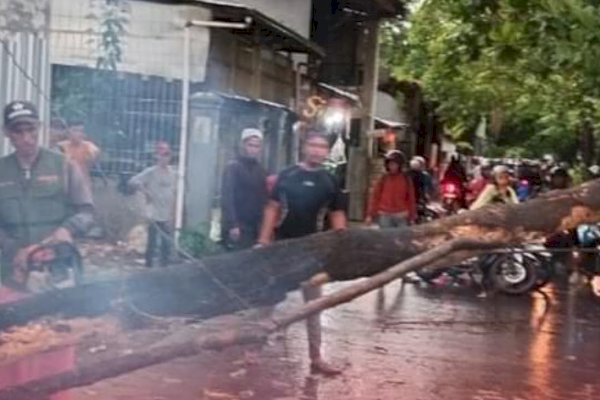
pixel 152 44
pixel 24 70
pixel 295 14
pixel 24 66
pixel 339 34
pixel 238 67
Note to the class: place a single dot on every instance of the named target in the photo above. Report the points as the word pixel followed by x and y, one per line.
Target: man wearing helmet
pixel 422 181
pixel 500 191
pixel 559 178
pixel 393 201
pixel 594 172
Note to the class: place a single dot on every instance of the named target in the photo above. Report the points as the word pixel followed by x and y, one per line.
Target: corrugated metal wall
pixel 24 72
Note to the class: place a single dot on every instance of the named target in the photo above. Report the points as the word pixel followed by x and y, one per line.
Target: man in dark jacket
pixel 244 193
pixel 422 181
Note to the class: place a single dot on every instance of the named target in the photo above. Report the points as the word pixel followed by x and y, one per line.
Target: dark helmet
pixel 395 156
pixel 559 172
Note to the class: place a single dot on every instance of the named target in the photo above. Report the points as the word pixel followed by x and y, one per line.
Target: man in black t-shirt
pixel 303 195
pixel 300 195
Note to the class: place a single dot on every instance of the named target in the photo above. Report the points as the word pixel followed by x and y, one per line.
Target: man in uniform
pixel 43 198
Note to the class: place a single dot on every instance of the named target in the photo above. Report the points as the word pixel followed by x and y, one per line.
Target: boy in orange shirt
pixel 81 152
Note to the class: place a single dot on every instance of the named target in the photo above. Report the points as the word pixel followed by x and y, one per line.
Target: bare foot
pixel 324 368
pixel 596 285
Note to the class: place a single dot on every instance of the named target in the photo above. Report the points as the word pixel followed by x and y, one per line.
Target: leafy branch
pixel 113 16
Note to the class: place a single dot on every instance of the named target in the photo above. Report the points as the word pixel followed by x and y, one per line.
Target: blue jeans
pixel 392 220
pixel 159 238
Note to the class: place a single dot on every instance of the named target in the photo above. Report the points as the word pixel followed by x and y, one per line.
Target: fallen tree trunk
pixel 190 341
pixel 230 282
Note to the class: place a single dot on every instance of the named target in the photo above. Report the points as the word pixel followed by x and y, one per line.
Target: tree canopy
pixel 528 67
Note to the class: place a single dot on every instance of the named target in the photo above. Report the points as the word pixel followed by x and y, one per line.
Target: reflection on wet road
pixel 415 343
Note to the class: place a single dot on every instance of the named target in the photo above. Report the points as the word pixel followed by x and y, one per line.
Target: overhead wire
pixel 22 70
pixel 165 236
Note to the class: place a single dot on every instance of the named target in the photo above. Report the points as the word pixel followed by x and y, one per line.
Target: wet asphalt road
pixel 404 343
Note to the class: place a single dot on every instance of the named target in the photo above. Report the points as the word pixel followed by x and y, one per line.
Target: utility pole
pixel 360 156
pixel 185 104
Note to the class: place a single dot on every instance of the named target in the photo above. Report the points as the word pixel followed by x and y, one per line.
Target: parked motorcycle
pixel 427 213
pixel 512 271
pixel 579 249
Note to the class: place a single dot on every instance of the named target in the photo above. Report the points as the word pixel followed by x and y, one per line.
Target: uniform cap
pixel 20 111
pixel 251 133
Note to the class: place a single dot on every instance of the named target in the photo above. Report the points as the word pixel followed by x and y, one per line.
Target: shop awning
pixel 385 123
pixel 264 28
pixel 336 91
pixel 387 115
pixel 375 8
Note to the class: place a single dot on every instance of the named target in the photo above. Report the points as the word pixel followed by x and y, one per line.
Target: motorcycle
pixel 512 271
pixel 426 213
pixel 452 195
pixel 579 250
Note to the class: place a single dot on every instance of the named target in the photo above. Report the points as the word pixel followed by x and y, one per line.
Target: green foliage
pixel 81 93
pixel 74 90
pixel 113 17
pixel 529 66
pixel 70 94
pixel 197 243
pixel 579 174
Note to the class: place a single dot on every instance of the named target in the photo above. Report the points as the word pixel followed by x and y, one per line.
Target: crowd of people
pixel 504 181
pixel 256 208
pixel 46 196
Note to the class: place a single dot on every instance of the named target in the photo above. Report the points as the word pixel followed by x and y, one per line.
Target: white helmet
pixel 548 158
pixel 499 170
pixel 415 164
pixel 420 159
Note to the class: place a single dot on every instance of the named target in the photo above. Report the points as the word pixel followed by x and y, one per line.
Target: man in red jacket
pixel 393 202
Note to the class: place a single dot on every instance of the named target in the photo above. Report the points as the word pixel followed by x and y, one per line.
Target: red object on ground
pixel 36 366
pixel 8 295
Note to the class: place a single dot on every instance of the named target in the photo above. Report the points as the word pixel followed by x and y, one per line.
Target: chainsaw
pixel 54 266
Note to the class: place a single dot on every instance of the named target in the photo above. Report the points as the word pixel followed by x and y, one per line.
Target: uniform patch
pixel 7 184
pixel 48 178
